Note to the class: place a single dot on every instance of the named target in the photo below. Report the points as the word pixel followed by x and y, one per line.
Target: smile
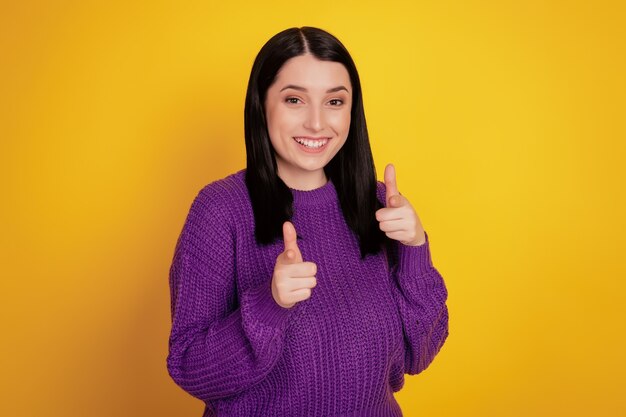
pixel 311 143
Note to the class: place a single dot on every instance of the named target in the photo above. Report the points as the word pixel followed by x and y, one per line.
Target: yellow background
pixel 506 123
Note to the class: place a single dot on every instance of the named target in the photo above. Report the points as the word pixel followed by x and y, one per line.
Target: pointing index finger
pixel 289 236
pixel 390 182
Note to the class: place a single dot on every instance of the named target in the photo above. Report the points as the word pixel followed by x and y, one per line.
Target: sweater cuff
pixel 264 308
pixel 414 259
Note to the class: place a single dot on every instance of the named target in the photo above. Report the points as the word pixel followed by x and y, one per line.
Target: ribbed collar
pixel 321 196
pixel 317 197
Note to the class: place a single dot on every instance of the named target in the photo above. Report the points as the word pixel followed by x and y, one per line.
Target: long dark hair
pixel 351 170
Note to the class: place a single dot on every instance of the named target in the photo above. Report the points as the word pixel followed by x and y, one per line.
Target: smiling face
pixel 307 109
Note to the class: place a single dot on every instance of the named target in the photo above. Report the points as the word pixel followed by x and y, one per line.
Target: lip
pixel 311 137
pixel 311 150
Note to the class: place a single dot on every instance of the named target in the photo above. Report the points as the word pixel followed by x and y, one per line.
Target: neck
pixel 303 181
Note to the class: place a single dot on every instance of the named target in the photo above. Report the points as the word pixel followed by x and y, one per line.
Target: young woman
pixel 301 285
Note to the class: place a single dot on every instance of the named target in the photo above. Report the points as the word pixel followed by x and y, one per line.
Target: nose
pixel 314 119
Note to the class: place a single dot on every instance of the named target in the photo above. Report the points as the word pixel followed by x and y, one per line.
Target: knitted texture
pixel 342 352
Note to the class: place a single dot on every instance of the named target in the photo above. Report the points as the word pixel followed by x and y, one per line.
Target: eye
pixel 290 100
pixel 336 99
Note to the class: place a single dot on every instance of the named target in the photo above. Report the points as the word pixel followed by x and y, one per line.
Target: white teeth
pixel 312 143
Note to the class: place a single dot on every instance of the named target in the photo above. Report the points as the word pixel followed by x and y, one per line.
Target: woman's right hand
pixel 292 279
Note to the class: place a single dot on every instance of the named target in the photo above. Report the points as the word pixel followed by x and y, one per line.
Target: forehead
pixel 313 74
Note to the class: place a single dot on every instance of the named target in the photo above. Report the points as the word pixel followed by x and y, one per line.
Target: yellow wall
pixel 506 123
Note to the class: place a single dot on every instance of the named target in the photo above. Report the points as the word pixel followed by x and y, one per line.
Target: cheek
pixel 279 127
pixel 281 121
pixel 273 123
pixel 341 121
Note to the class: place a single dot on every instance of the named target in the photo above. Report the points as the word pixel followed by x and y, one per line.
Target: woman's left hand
pixel 398 219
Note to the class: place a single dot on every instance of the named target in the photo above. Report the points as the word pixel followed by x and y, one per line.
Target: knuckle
pixel 283 278
pixel 281 286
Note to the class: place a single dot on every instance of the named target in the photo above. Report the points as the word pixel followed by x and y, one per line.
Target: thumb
pixel 391 186
pixel 292 252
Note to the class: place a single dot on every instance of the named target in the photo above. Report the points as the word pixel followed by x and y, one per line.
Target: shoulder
pixel 215 201
pixel 224 191
pixel 208 233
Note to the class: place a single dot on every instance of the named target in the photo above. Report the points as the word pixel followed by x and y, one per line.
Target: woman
pixel 301 286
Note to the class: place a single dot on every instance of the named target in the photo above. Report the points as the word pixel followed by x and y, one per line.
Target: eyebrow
pixel 331 90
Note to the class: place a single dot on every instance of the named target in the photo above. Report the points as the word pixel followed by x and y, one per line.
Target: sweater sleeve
pixel 420 294
pixel 220 344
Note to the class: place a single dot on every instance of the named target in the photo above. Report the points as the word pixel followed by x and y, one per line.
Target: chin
pixel 314 167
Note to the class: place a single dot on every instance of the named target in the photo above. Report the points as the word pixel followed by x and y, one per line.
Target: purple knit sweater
pixel 342 352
